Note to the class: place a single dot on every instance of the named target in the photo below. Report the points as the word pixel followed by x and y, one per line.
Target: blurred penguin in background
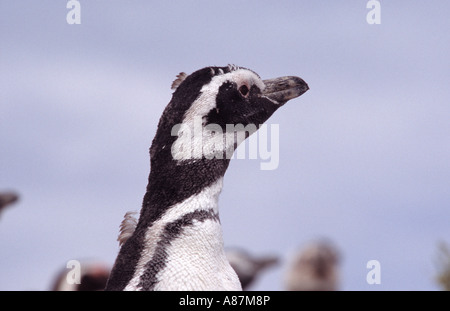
pixel 314 268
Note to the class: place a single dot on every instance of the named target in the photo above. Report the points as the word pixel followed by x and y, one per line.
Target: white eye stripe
pixel 207 99
pixel 192 124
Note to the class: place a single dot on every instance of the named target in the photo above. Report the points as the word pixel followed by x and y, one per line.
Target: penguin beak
pixel 280 90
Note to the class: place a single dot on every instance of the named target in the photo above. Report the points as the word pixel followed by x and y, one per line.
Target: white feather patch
pixel 198 261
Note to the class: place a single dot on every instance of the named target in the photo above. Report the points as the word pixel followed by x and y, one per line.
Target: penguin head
pixel 215 108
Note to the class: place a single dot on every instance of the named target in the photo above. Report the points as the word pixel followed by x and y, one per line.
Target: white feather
pixel 127 227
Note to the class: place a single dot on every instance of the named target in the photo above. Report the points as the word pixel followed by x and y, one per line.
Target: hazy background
pixel 364 154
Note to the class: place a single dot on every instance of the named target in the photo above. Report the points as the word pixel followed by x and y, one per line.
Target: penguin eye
pixel 244 90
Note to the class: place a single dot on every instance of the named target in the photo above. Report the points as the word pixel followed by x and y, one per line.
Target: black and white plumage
pixel 177 242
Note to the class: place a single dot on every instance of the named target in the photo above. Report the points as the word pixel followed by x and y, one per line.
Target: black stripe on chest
pixel 168 186
pixel 171 231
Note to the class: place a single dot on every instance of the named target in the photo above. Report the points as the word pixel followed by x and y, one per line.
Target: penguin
pixel 176 241
pixel 248 267
pixel 314 268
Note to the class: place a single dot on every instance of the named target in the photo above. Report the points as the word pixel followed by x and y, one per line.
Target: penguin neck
pixel 179 219
pixel 172 182
pixel 178 231
pixel 181 212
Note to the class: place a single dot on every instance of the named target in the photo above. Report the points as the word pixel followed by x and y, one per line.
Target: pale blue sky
pixel 364 154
